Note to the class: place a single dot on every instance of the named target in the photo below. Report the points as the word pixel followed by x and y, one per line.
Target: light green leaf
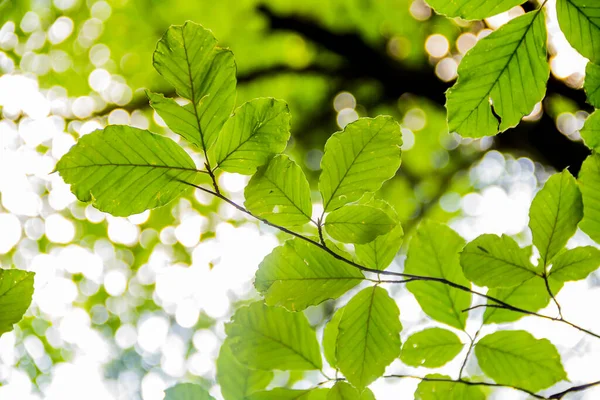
pixel 279 193
pixel 290 394
pixel 516 358
pixel 330 335
pixel 433 252
pixel 506 70
pixel 496 261
pixel 575 264
pixel 470 10
pixel 591 131
pixel 592 84
pixel 430 348
pixel 359 159
pixel 343 391
pixel 270 338
pixel 16 290
pixel 379 253
pixel 579 20
pixel 187 56
pixel 298 274
pixel 441 390
pixel 589 184
pixel 259 129
pixel 369 336
pixel 236 380
pixel 124 170
pixel 554 214
pixel 187 391
pixel 180 119
pixel 358 224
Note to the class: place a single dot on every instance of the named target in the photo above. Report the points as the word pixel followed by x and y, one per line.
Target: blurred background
pixel 125 307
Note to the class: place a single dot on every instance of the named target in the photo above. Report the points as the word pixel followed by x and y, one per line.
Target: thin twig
pixel 545 276
pixel 464 364
pixel 578 388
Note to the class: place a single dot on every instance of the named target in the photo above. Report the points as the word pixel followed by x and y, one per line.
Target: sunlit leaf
pixel 330 335
pixel 298 274
pixel 592 84
pixel 187 56
pixel 469 9
pixel 433 252
pixel 187 391
pixel 270 338
pixel 358 223
pixel 516 358
pixel 124 170
pixel 257 131
pixel 554 214
pixel 579 20
pixel 343 391
pixel 430 348
pixel 575 264
pixel 589 184
pixel 506 70
pixel 236 380
pixel 496 261
pixel 358 160
pixel 16 290
pixel 591 131
pixel 379 253
pixel 279 192
pixel 369 336
pixel 180 119
pixel 440 390
pixel 290 394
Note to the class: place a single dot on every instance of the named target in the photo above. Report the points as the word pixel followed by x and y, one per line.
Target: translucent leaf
pixel 506 70
pixel 379 253
pixel 516 358
pixel 579 20
pixel 589 184
pixel 592 84
pixel 470 10
pixel 259 129
pixel 270 338
pixel 187 391
pixel 591 131
pixel 358 223
pixel 343 391
pixel 433 251
pixel 279 192
pixel 359 159
pixel 298 274
pixel 124 170
pixel 290 394
pixel 369 336
pixel 554 214
pixel 180 119
pixel 330 335
pixel 16 290
pixel 187 56
pixel 575 264
pixel 237 381
pixel 496 261
pixel 430 348
pixel 439 390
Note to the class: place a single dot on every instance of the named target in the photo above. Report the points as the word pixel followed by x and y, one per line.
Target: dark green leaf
pixel 469 9
pixel 16 290
pixel 236 380
pixel 430 348
pixel 592 84
pixel 589 184
pixel 440 390
pixel 579 20
pixel 379 253
pixel 575 264
pixel 358 223
pixel 187 391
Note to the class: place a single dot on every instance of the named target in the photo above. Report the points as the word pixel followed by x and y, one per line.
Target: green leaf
pixel 330 335
pixel 496 261
pixel 589 184
pixel 440 390
pixel 270 338
pixel 180 119
pixel 290 394
pixel 124 170
pixel 259 129
pixel 343 391
pixel 380 253
pixel 237 381
pixel 187 391
pixel 279 193
pixel 592 84
pixel 516 358
pixel 575 264
pixel 470 10
pixel 16 290
pixel 579 20
pixel 369 336
pixel 591 131
pixel 358 160
pixel 358 223
pixel 430 348
pixel 187 56
pixel 554 214
pixel 433 252
pixel 506 70
pixel 298 274
pixel 531 295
